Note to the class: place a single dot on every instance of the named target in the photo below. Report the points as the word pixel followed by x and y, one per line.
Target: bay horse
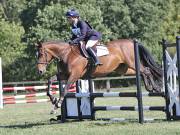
pixel 120 60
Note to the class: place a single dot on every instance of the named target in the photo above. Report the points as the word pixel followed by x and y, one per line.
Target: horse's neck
pixel 62 51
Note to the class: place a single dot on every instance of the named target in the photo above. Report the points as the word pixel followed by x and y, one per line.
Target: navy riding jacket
pixel 84 32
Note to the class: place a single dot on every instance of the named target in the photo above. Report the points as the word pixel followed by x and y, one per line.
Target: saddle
pixel 100 49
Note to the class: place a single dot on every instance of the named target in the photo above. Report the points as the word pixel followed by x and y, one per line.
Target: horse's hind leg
pixel 149 82
pixel 145 73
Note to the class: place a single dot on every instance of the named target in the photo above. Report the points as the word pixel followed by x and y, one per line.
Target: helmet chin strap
pixel 75 21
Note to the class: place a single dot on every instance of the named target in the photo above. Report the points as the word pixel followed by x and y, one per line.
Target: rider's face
pixel 71 20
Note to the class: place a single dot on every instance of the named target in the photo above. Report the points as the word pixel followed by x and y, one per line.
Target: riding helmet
pixel 72 13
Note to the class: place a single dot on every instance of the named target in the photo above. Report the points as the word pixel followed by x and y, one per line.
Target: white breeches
pixel 91 43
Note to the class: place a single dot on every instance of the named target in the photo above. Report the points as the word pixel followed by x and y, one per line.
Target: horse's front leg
pixel 53 101
pixel 62 95
pixel 50 95
pixel 71 80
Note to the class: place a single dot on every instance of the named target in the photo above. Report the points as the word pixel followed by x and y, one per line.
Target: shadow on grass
pixel 25 125
pixel 97 122
pixel 107 121
pixel 29 124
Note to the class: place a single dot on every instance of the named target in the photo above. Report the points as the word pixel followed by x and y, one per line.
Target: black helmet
pixel 72 13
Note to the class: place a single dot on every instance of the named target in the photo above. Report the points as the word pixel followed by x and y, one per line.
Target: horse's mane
pixel 55 42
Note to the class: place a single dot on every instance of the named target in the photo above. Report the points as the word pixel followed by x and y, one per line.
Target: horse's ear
pixel 38 44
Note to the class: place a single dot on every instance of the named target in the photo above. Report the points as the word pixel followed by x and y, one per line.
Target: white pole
pixel 1 90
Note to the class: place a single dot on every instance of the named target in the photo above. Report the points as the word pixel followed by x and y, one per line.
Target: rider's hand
pixel 73 43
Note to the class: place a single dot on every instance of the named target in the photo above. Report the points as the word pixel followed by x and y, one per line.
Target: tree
pixel 140 19
pixel 11 48
pixel 11 9
pixel 171 25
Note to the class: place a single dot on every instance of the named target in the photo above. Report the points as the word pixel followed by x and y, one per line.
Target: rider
pixel 82 31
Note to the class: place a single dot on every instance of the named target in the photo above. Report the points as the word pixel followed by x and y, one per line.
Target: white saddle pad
pixel 102 50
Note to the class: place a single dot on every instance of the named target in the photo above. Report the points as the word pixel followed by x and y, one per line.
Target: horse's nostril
pixel 40 72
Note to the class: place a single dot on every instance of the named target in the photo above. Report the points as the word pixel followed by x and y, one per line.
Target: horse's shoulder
pixel 75 50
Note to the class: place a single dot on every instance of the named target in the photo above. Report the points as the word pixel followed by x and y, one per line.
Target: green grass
pixel 33 119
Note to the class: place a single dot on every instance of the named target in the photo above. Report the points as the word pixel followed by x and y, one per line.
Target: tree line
pixel 23 22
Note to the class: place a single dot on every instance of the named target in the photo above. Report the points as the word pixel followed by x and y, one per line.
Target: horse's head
pixel 48 51
pixel 44 58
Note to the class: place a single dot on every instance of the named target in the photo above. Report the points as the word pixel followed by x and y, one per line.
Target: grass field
pixel 33 119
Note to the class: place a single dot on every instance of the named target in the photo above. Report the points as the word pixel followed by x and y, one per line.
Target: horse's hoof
pixel 58 105
pixel 55 100
pixel 157 89
pixel 52 120
pixel 53 112
pixel 58 117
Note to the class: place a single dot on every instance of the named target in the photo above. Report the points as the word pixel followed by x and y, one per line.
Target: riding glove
pixel 73 42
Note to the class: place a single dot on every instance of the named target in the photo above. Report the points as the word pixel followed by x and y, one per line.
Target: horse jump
pixel 91 109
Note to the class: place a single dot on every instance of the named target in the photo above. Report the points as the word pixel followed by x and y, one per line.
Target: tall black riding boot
pixel 94 56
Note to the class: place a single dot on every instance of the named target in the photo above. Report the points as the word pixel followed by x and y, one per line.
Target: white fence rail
pixel 107 87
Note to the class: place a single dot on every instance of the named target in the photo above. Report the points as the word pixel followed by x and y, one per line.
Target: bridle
pixel 45 53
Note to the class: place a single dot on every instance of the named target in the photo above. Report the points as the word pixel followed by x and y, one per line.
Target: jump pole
pixel 138 82
pixel 1 90
pixel 178 66
pixel 168 115
pixel 178 59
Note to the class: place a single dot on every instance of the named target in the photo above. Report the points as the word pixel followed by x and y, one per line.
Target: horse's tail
pixel 148 61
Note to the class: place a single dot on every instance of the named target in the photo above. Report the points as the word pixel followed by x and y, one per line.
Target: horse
pixel 120 59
